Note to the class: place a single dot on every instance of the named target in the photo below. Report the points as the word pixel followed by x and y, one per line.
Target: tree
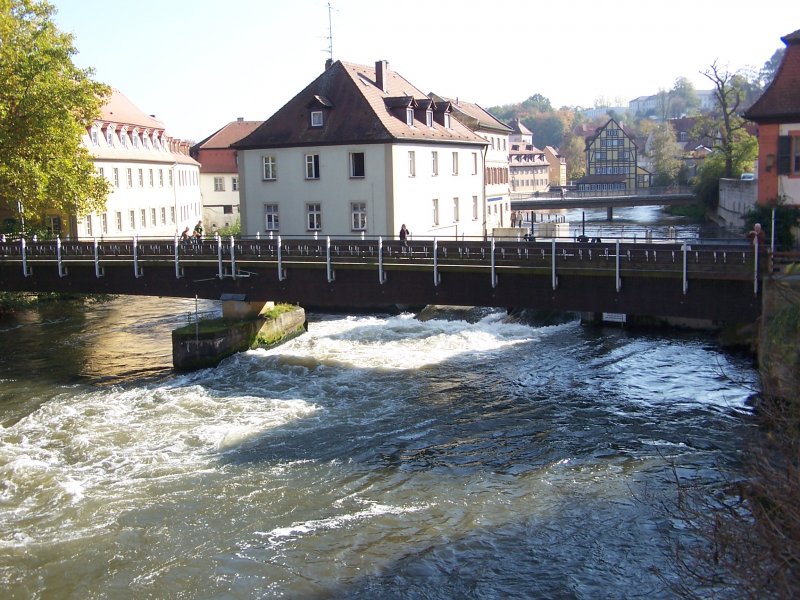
pixel 537 103
pixel 683 98
pixel 547 128
pixel 665 154
pixel 767 73
pixel 46 104
pixel 573 149
pixel 726 128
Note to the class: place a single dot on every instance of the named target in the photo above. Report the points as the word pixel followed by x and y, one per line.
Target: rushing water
pixel 372 457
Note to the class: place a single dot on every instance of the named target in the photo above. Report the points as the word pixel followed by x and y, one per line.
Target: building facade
pixel 219 173
pixel 496 159
pixel 558 167
pixel 154 183
pixel 361 151
pixel 528 165
pixel 611 156
pixel 777 113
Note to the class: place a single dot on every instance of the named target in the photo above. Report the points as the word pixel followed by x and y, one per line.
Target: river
pixel 375 456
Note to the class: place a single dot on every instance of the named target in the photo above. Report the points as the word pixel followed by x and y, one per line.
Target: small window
pixel 153 221
pixel 163 215
pixel 410 117
pixel 474 208
pixel 312 166
pixel 130 178
pixel 143 215
pixel 132 218
pixel 358 210
pixel 270 168
pixel 434 163
pixel 219 184
pixel 314 212
pixel 116 177
pixel 429 118
pixel 235 184
pixel 118 220
pixel 151 177
pixel 474 163
pixel 95 138
pixel 357 168
pixel 89 225
pixel 110 137
pixel 455 210
pixel 435 207
pixel 412 167
pixel 271 222
pixel 227 209
pixel 104 223
pixel 316 118
pixel 171 214
pixel 455 163
pixel 447 120
pixel 161 177
pixel 102 172
pixel 141 177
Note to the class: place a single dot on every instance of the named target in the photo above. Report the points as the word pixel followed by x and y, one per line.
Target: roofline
pixel 477 144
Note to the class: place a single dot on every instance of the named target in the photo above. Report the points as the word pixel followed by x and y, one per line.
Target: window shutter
pixel 784 154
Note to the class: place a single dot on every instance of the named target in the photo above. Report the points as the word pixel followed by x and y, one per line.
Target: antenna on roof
pixel 330 33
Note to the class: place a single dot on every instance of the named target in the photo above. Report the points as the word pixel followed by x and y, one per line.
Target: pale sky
pixel 199 64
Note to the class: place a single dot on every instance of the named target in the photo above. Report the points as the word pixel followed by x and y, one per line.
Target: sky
pixel 200 64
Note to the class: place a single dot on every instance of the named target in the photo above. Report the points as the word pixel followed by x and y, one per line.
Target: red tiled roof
pixel 227 135
pixel 118 109
pixel 359 112
pixel 780 102
pixel 483 118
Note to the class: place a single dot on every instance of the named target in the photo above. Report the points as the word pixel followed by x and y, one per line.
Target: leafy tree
pixel 537 103
pixel 46 103
pixel 665 154
pixel 683 98
pixel 573 149
pixel 547 128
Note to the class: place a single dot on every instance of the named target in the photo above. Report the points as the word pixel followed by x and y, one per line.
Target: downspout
pixel 484 208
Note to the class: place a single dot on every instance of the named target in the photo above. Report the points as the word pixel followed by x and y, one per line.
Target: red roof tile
pixel 780 102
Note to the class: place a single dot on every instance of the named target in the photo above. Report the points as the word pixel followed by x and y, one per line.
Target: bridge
pixel 650 196
pixel 720 281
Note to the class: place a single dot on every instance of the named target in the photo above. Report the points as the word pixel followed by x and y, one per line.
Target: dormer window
pixel 429 118
pixel 316 118
pixel 447 120
pixel 410 117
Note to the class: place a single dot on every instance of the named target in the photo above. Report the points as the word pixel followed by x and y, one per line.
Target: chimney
pixel 328 63
pixel 381 72
pixel 240 119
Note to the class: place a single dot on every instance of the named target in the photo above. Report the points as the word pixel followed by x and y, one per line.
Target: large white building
pixel 360 151
pixel 155 184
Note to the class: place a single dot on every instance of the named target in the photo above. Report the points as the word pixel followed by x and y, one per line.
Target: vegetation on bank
pixel 11 302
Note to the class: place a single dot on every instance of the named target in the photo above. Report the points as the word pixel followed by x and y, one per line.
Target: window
pixel 170 178
pixel 412 168
pixel 219 184
pixel 141 178
pixel 435 163
pixel 104 223
pixel 435 207
pixel 227 209
pixel 429 118
pixel 447 120
pixel 130 178
pixel 455 210
pixel 110 137
pixel 474 163
pixel 95 140
pixel 171 214
pixel 143 215
pixel 151 177
pixel 123 139
pixel 410 117
pixel 455 163
pixel 271 222
pixel 163 215
pixel 312 166
pixel 89 225
pixel 118 220
pixel 132 218
pixel 102 172
pixel 314 212
pixel 474 208
pixel 235 184
pixel 153 221
pixel 135 137
pixel 270 168
pixel 357 168
pixel 316 118
pixel 161 178
pixel 358 210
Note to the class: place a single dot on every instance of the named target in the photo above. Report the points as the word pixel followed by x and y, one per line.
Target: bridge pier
pixel 237 309
pixel 609 213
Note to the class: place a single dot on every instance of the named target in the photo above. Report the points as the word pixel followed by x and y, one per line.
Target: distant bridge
pixel 720 281
pixel 649 196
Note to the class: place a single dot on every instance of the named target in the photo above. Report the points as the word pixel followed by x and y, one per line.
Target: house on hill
pixel 530 169
pixel 361 151
pixel 219 173
pixel 777 114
